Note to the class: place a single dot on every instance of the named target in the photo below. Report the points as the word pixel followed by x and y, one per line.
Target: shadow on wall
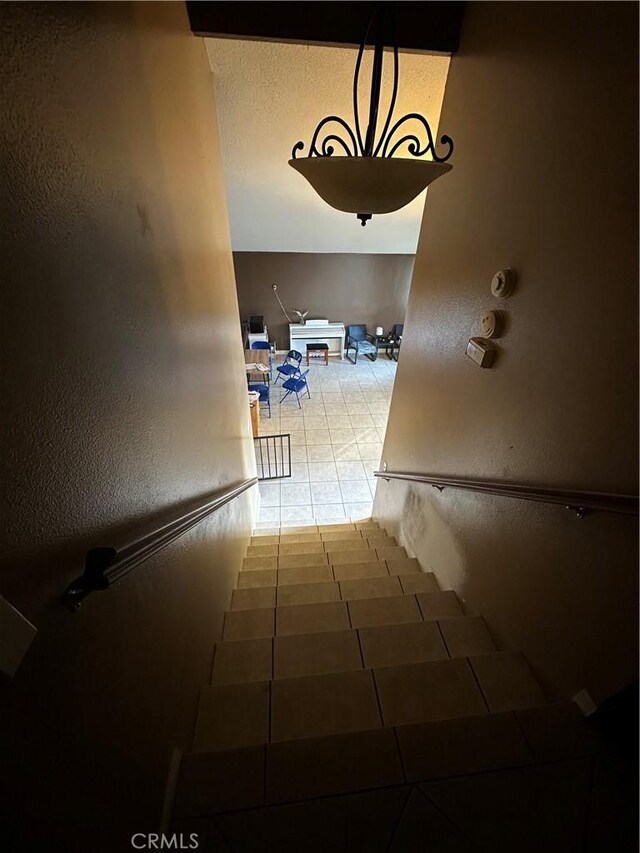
pixel 545 581
pixel 422 523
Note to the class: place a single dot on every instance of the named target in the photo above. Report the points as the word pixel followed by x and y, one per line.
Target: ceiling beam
pixel 425 27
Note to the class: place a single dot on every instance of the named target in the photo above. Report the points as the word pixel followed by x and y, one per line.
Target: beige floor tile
pixel 384 611
pixel 351 571
pixel 423 828
pixel 390 645
pixel 253 599
pixel 297 548
pixel 346 452
pixel 213 782
pixel 323 705
pixel 405 566
pixel 464 745
pixel 258 564
pixel 262 551
pixel 421 582
pixel 506 682
pixel 420 692
pixel 320 453
pixel 298 538
pixel 396 553
pixel 355 544
pixel 337 528
pixel 256 580
pixel 243 661
pixel 232 716
pixel 323 472
pixel 294 561
pixel 307 593
pixel 360 555
pixel 265 540
pixel 343 536
pixel 466 636
pixel 377 587
pixel 248 624
pixel 305 574
pixel 317 436
pixel 368 525
pixel 316 654
pixel 341 763
pixel 380 541
pixel 343 824
pixel 309 618
pixel 557 731
pixel 524 809
pixel 439 605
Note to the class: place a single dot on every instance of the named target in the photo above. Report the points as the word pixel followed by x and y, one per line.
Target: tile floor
pixel 336 443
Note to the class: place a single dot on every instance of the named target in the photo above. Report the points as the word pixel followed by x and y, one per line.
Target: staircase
pixel 348 691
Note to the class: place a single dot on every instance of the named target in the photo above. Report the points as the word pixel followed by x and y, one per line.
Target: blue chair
pixel 263 390
pixel 291 365
pixel 264 345
pixel 296 384
pixel 361 342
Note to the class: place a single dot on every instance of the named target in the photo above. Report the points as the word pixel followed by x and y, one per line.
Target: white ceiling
pixel 268 97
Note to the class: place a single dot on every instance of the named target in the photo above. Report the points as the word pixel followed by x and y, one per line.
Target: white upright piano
pixel 317 332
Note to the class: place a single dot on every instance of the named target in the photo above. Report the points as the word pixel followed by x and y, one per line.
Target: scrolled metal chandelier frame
pixel 373 180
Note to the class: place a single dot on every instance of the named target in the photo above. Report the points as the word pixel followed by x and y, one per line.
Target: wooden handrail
pixel 105 566
pixel 579 502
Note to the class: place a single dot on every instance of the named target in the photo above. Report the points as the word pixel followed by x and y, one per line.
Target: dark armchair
pixel 394 339
pixel 361 343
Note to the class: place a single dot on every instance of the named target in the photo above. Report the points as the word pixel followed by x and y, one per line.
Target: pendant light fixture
pixel 365 178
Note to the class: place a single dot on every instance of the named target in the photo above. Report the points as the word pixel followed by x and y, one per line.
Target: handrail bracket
pixel 93 578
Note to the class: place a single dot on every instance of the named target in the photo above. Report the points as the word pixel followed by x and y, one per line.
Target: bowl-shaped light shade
pixel 368 184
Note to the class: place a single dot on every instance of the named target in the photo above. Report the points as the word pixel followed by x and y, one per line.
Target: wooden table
pixel 259 360
pixel 254 408
pixel 256 356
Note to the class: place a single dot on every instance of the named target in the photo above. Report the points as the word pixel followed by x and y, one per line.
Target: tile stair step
pixel 320 556
pixel 323 546
pixel 315 534
pixel 299 538
pixel 329 528
pixel 230 780
pixel 268 658
pixel 341 655
pixel 318 546
pixel 412 580
pixel 349 535
pixel 405 568
pixel 233 716
pixel 361 610
pixel 369 580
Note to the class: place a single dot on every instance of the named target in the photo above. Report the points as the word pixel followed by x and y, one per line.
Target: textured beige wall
pixel 542 105
pixel 350 288
pixel 123 396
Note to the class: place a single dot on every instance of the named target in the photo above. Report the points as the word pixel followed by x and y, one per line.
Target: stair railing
pixel 580 502
pixel 106 565
pixel 273 456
